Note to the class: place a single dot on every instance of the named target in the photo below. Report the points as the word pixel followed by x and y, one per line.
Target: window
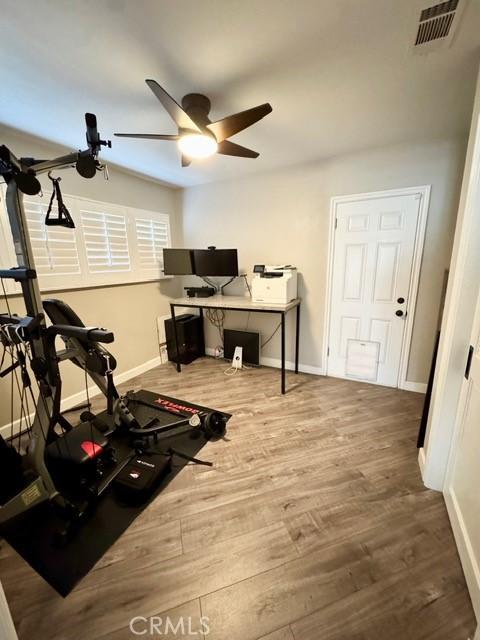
pixel 106 241
pixel 54 248
pixel 110 244
pixel 153 236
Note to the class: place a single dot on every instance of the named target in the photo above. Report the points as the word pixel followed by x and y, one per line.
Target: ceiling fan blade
pixel 147 136
pixel 228 148
pixel 178 115
pixel 186 161
pixel 230 125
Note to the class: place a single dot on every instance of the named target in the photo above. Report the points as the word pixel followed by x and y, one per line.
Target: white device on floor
pixel 237 358
pixel 274 283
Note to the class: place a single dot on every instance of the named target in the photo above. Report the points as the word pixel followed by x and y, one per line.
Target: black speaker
pixel 191 341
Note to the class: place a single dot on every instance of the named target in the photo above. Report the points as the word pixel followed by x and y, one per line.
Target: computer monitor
pixel 248 340
pixel 178 262
pixel 215 262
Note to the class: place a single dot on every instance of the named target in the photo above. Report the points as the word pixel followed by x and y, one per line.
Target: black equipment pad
pixel 32 535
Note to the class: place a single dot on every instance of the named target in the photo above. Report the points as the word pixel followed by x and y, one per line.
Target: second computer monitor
pixel 215 262
pixel 178 262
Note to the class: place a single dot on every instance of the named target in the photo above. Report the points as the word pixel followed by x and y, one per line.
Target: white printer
pixel 274 283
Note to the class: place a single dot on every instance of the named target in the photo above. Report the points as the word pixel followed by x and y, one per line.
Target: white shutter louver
pixel 152 238
pixel 106 241
pixel 54 248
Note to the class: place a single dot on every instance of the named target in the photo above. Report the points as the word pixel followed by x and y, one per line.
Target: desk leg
pixel 175 333
pixel 283 352
pixel 297 337
pixel 203 332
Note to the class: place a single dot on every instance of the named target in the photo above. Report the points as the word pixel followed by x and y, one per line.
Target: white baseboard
pixel 421 460
pixel 466 552
pixel 93 390
pixel 277 363
pixel 417 387
pixel 7 630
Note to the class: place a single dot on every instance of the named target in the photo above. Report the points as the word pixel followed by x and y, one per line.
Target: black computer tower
pixel 191 341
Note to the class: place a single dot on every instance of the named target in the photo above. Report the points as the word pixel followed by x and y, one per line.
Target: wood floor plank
pixel 389 607
pixel 280 634
pixel 312 522
pixel 161 585
pixel 180 622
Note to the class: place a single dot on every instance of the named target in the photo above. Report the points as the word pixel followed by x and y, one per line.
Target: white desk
pixel 243 303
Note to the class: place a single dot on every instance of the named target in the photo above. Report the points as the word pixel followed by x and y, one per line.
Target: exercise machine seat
pixel 60 312
pixel 80 445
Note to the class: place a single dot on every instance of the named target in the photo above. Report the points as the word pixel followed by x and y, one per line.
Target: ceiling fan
pixel 197 136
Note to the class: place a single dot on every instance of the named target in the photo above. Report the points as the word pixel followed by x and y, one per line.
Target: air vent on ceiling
pixel 436 24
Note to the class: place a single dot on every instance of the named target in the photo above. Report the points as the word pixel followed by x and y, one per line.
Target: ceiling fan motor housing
pixel 198 107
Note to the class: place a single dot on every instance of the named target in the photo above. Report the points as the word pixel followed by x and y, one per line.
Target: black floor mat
pixel 63 566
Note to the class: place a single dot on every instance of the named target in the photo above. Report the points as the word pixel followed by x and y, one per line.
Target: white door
pixel 462 493
pixel 372 265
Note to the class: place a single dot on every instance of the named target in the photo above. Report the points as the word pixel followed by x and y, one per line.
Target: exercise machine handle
pixel 92 334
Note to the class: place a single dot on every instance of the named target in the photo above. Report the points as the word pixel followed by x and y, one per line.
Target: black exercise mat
pixel 32 535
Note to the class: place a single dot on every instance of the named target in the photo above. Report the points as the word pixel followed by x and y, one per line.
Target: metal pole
pixel 175 334
pixel 297 336
pixel 40 347
pixel 283 352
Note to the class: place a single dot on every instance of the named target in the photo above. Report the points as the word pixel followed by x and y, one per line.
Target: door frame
pixel 424 192
pixel 465 548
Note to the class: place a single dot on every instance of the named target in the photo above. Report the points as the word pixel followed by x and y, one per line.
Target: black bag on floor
pixel 140 477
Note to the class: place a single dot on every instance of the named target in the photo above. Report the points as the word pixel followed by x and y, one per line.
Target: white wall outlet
pixel 163 354
pixel 237 358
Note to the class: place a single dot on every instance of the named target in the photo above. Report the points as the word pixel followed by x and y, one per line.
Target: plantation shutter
pixel 111 244
pixel 106 241
pixel 152 237
pixel 55 249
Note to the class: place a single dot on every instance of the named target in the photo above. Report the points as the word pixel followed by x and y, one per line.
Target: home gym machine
pixel 55 462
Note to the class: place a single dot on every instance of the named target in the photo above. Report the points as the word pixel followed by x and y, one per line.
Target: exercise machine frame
pixel 33 329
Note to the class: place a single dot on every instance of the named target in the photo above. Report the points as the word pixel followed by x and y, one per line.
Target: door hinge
pixel 328 351
pixel 469 362
pixel 336 223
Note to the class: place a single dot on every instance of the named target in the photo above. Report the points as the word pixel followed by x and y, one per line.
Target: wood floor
pixel 312 525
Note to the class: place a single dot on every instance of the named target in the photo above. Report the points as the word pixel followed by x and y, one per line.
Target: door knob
pixel 399 313
pixel 400 300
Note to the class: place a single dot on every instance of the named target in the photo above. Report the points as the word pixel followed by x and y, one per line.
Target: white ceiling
pixel 339 75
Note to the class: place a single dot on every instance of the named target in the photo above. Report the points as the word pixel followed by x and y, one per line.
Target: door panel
pixel 372 263
pixel 386 271
pixel 379 332
pixel 354 271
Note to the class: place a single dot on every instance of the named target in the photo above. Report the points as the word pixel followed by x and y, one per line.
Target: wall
pixel 283 217
pixel 131 310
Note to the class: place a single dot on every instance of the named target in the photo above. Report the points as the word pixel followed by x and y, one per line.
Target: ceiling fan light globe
pixel 197 145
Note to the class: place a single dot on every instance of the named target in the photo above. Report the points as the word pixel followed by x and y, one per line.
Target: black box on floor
pixel 191 341
pixel 136 482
